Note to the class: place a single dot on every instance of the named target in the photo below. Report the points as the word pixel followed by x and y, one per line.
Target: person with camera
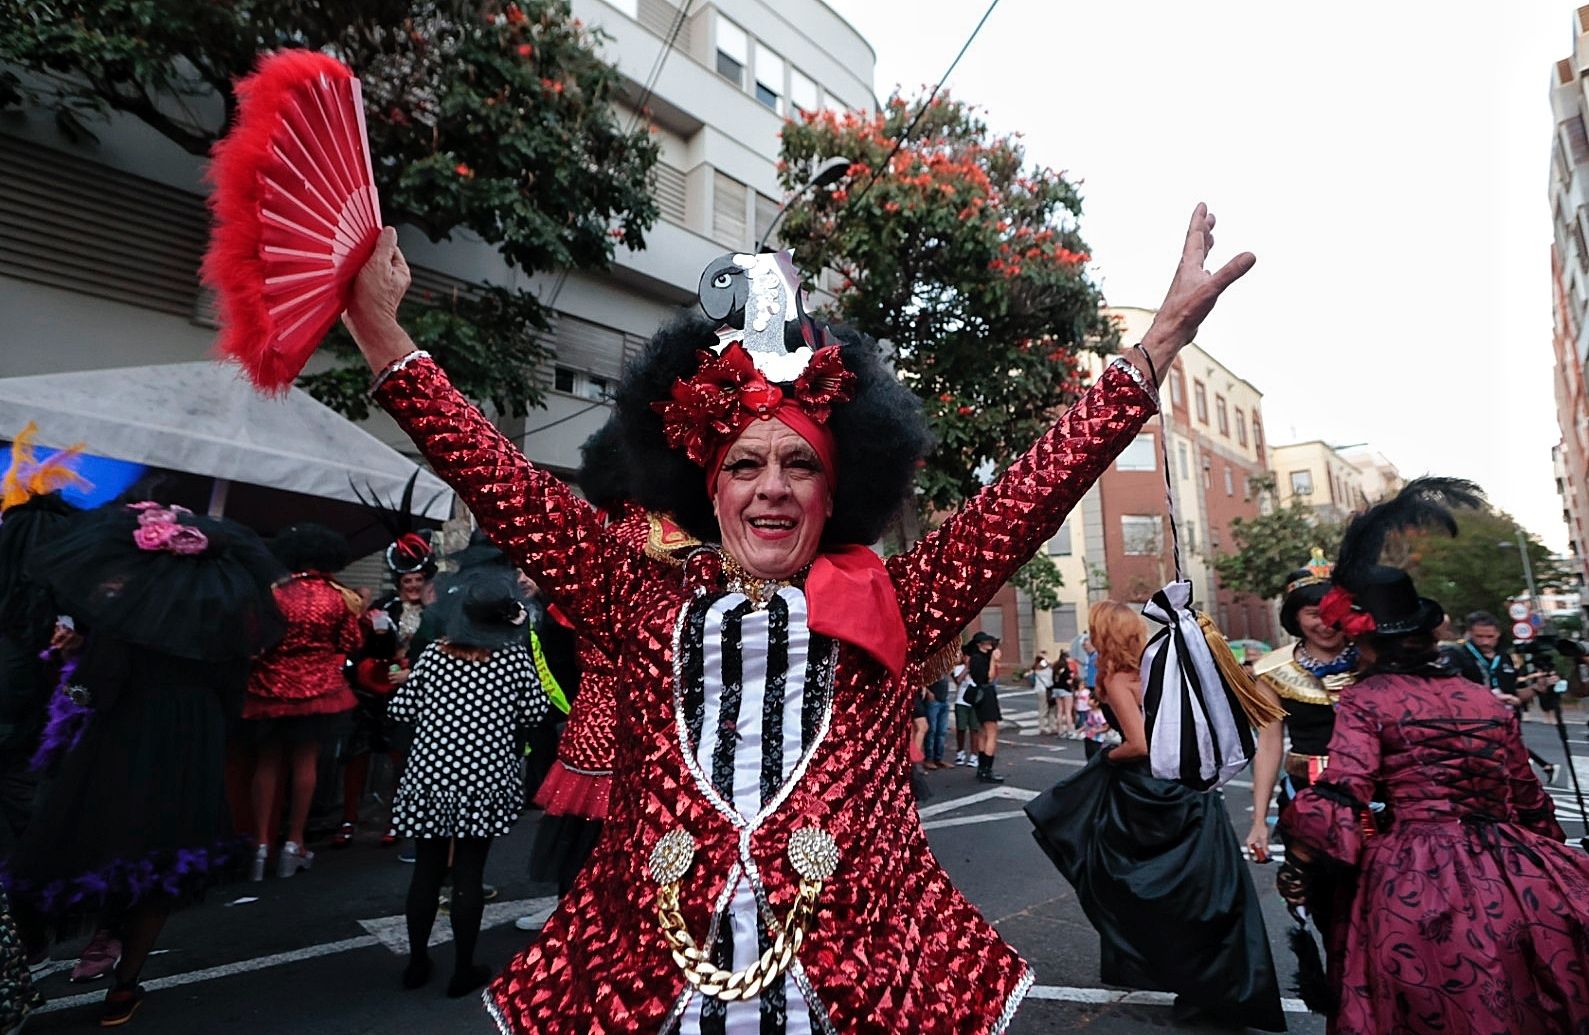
pixel 1479 659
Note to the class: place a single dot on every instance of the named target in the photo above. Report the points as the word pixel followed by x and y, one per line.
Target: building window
pixel 1301 483
pixel 1241 428
pixel 769 79
pixel 1208 473
pixel 1230 482
pixel 992 622
pixel 1221 415
pixel 1138 456
pixel 729 199
pixel 1064 624
pixel 1191 535
pixel 733 52
pixel 1246 487
pixel 1142 534
pixel 1059 546
pixel 585 385
pixel 1200 400
pixel 803 92
pixel 1177 389
pixel 1186 465
pixel 1257 433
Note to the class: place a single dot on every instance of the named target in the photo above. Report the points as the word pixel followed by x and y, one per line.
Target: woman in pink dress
pixel 1468 913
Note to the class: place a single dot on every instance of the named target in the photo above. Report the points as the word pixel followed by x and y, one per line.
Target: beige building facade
pixel 1319 475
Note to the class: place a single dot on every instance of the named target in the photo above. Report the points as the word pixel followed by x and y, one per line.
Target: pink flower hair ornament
pixel 160 528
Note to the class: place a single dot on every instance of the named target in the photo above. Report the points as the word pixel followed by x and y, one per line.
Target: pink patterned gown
pixel 1471 915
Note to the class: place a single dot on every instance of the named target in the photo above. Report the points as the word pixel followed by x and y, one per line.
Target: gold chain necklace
pixel 756 589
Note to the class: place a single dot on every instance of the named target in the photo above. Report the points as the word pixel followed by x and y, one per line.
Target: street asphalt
pixel 319 953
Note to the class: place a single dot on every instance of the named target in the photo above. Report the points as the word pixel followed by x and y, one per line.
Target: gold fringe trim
pixel 1260 710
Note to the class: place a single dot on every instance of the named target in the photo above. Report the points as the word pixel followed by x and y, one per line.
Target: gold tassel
pixel 941 663
pixel 1260 711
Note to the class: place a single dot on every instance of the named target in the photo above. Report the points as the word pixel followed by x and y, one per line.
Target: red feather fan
pixel 296 214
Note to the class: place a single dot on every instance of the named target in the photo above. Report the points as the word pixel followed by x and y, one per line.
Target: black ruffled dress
pixel 1159 872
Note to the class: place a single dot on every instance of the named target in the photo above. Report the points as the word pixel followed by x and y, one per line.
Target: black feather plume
pixel 1422 503
pixel 1311 984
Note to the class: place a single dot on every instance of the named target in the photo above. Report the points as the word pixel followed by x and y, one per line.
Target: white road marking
pixel 1068 994
pixel 392 931
pixel 380 933
pixel 965 821
pixel 1020 794
pixel 363 941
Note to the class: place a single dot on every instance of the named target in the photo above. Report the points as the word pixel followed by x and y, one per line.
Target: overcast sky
pixel 1387 162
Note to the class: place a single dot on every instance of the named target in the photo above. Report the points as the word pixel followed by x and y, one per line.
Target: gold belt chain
pixel 814 856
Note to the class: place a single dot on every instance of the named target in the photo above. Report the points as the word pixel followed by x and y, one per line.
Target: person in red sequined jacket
pixel 298 696
pixel 762 864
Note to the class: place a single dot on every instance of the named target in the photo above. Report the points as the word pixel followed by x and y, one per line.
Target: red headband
pixel 709 411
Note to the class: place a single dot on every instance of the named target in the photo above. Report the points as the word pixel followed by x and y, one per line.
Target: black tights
pixel 468 865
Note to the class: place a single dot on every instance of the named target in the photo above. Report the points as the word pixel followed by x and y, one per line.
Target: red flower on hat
pixel 1339 608
pixel 727 392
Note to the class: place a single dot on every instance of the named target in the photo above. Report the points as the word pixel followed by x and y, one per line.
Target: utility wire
pixel 928 103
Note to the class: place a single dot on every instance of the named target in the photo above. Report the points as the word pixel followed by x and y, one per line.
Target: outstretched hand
pixel 1193 292
pixel 378 290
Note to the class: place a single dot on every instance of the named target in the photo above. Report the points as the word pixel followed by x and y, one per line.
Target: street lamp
pixel 1521 546
pixel 829 172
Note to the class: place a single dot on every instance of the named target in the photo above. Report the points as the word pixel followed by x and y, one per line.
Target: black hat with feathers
pixel 410 550
pixel 880 434
pixel 1386 593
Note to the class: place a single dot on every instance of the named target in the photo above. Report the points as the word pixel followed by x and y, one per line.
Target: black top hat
pixel 1388 594
pixel 491 614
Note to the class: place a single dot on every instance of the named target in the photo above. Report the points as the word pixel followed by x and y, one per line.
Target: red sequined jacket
pixel 893 947
pixel 302 673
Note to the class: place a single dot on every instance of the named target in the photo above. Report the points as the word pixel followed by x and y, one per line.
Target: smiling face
pixel 1323 640
pixel 411 587
pixel 772 501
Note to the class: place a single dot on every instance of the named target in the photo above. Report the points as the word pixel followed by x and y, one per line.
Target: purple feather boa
pixel 168 875
pixel 66 723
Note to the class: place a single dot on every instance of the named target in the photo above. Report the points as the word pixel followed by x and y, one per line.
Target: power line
pixel 928 103
pixel 646 89
pixel 652 77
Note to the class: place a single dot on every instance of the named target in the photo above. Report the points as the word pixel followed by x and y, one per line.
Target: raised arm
pixel 947 578
pixel 548 531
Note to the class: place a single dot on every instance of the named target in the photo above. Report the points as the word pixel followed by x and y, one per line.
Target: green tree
pixel 1477 570
pixel 1040 579
pixel 1272 545
pixel 965 260
pixel 488 117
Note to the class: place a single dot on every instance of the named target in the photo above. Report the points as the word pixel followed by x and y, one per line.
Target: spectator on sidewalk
pixel 1043 682
pixel 938 722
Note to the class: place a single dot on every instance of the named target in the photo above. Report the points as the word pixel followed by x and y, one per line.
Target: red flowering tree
pixel 965 260
pixel 485 116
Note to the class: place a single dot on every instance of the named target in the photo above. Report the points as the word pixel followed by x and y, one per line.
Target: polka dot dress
pixel 462 774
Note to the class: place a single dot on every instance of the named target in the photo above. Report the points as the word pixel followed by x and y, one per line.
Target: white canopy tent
pixel 205 418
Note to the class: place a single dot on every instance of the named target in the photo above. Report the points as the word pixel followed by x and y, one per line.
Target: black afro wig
pixel 307 546
pixel 603 468
pixel 880 433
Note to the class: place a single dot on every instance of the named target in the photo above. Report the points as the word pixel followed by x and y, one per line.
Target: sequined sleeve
pixel 946 579
pixel 551 533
